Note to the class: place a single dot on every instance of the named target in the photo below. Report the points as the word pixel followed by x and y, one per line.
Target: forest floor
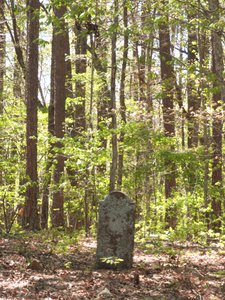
pixel 33 268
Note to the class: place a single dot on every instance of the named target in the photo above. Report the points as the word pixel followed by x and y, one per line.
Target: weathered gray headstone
pixel 115 236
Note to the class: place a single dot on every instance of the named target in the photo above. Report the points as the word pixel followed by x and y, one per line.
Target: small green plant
pixel 68 265
pixel 112 260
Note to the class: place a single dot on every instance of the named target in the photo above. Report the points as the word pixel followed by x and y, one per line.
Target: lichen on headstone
pixel 115 236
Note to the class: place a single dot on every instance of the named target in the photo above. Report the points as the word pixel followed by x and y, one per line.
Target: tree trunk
pixel 31 219
pixel 193 100
pixel 69 86
pixel 141 61
pixel 168 84
pixel 204 47
pixel 2 55
pixel 80 85
pixel 104 94
pixel 122 94
pixel 59 115
pixel 50 154
pixel 113 169
pixel 218 101
pixel 79 116
pixel 2 69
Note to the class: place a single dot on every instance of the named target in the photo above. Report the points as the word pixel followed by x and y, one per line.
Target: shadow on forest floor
pixel 31 268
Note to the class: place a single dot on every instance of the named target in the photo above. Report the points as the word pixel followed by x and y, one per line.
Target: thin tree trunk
pixel 149 66
pixel 142 61
pixel 15 36
pixel 2 56
pixel 113 169
pixel 140 77
pixel 31 219
pixel 49 162
pixel 193 100
pixel 122 95
pixel 104 95
pixel 2 69
pixel 90 117
pixel 80 85
pixel 17 84
pixel 72 110
pixel 69 86
pixel 204 47
pixel 179 94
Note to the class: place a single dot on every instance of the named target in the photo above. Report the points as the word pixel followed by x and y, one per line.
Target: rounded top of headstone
pixel 116 198
pixel 118 194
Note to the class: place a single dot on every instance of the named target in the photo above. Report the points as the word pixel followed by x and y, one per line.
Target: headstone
pixel 115 236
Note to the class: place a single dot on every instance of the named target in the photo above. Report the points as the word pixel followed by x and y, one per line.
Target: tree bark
pixel 193 100
pixel 168 85
pixel 204 48
pixel 2 55
pixel 113 168
pixel 218 101
pixel 122 94
pixel 31 219
pixel 50 154
pixel 2 69
pixel 80 85
pixel 59 115
pixel 103 102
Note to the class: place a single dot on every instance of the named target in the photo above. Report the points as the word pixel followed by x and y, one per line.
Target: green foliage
pixel 112 260
pixel 12 164
pixel 148 154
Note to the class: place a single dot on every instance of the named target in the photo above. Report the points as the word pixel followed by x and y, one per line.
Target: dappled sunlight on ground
pixel 31 270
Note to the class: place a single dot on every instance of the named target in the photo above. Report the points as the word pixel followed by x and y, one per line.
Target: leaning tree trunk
pixel 59 114
pixel 168 84
pixel 217 125
pixel 31 219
